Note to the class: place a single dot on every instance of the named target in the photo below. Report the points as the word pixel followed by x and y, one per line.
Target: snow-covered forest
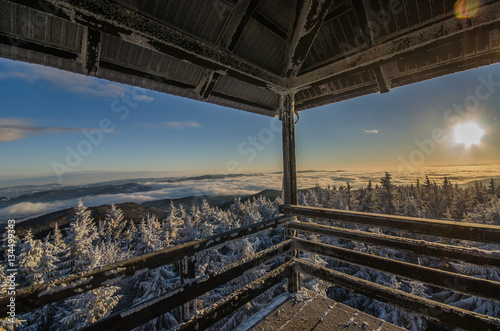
pixel 86 244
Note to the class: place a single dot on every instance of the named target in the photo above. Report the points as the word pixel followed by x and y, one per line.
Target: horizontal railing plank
pixel 449 229
pixel 145 311
pixel 239 298
pixel 454 316
pixel 466 254
pixel 31 297
pixel 461 283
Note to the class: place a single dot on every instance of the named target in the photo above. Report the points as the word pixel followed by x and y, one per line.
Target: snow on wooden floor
pixel 310 311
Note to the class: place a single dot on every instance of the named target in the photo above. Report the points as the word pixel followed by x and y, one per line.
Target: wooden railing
pixel 33 297
pixel 457 282
pixel 292 246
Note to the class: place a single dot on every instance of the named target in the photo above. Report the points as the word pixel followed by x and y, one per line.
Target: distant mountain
pixel 219 201
pixel 41 225
pixel 74 193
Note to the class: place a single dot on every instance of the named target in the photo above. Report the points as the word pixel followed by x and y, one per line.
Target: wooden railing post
pixel 188 272
pixel 289 171
pixel 294 278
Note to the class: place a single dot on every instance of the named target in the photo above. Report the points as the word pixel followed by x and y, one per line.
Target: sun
pixel 468 133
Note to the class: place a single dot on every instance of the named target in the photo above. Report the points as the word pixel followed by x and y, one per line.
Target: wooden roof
pixel 244 54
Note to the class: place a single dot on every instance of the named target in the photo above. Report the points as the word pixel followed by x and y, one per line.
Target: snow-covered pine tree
pixel 47 266
pixel 80 236
pixel 30 254
pixel 148 235
pixel 87 308
pixel 113 224
pixel 386 204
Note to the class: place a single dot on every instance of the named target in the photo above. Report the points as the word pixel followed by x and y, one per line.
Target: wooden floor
pixel 309 311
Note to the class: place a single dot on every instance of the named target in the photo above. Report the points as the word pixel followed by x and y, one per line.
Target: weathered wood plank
pixel 311 16
pixel 146 311
pixel 35 296
pixel 279 316
pixel 454 316
pixel 449 229
pixel 466 254
pixel 461 283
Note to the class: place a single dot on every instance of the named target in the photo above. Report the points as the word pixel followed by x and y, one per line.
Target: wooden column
pixel 288 132
pixel 289 171
pixel 188 272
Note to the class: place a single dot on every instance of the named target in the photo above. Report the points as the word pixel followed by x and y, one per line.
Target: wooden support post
pixel 188 272
pixel 289 170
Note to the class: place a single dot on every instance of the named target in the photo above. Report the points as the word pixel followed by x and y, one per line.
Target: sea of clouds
pixel 248 184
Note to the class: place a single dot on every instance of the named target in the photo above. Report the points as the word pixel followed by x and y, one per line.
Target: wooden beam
pixel 119 21
pixel 468 285
pixel 289 169
pixel 270 25
pixel 36 47
pixel 91 51
pixel 383 80
pixel 364 12
pixel 35 296
pixel 448 229
pixel 466 254
pixel 405 45
pixel 288 133
pixel 207 84
pixel 307 25
pixel 146 311
pixel 240 15
pixel 146 75
pixel 187 270
pixel 451 315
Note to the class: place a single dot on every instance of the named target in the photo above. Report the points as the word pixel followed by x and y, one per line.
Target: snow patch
pixel 114 271
pixel 64 286
pixel 141 271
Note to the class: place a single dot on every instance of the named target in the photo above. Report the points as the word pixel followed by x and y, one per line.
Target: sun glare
pixel 468 134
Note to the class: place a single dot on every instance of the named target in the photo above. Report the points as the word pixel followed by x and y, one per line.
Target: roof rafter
pixel 119 21
pixel 404 45
pixel 364 13
pixel 311 16
pixel 91 50
pixel 239 18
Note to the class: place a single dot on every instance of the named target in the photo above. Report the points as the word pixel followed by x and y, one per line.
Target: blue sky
pixel 45 113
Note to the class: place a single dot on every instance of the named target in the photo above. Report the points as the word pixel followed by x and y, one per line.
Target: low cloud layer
pixel 250 184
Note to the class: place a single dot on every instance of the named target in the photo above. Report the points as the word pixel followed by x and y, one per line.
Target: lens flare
pixel 468 134
pixel 466 8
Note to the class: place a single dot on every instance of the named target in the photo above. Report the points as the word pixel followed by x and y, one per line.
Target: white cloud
pixel 174 125
pixel 14 129
pixel 369 131
pixel 29 208
pixel 145 98
pixel 76 83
